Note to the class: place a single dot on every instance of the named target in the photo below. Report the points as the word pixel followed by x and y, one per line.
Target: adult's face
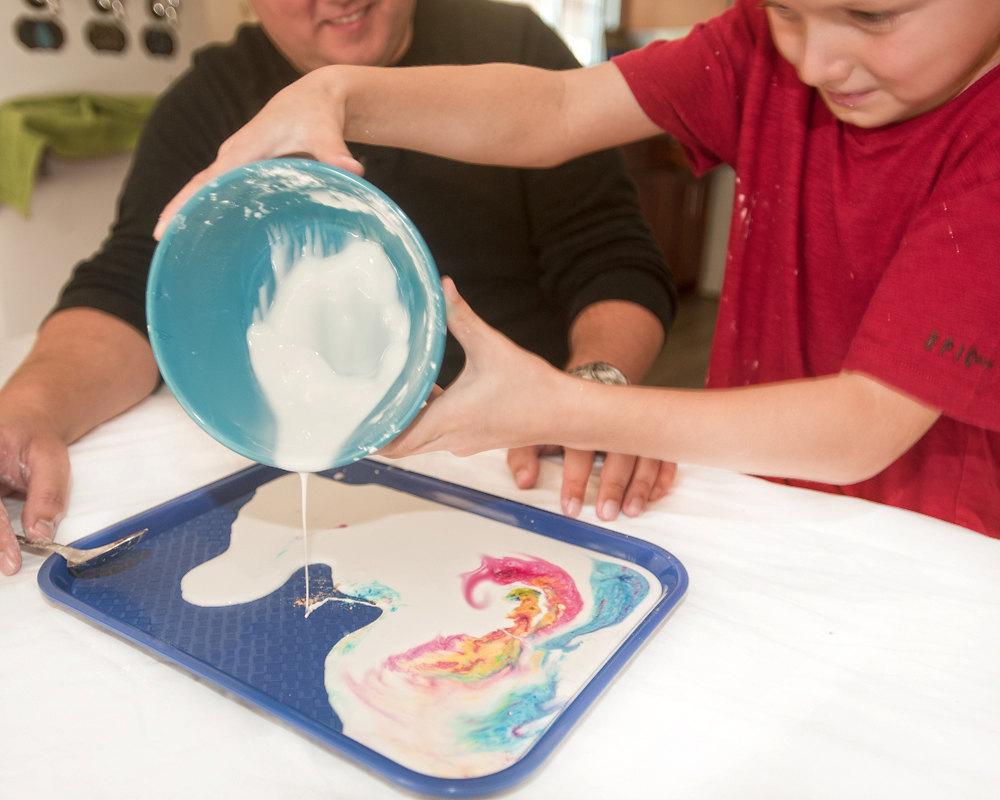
pixel 316 33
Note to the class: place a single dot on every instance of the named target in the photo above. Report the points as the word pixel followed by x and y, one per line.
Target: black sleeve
pixel 592 242
pixel 180 138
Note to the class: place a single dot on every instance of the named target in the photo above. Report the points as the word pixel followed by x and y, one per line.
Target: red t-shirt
pixel 850 249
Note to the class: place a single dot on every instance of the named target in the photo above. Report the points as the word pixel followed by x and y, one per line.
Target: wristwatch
pixel 600 372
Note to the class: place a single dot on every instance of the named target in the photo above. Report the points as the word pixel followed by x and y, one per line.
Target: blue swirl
pixel 617 591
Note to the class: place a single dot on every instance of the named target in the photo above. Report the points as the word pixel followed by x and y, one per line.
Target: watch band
pixel 600 372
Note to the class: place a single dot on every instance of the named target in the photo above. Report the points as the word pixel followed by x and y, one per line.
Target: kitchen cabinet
pixel 674 202
pixel 639 14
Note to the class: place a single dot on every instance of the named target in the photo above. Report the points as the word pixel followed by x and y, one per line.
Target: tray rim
pixel 53 578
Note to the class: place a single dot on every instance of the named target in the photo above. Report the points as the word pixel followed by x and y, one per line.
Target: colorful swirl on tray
pixel 474 704
pixel 484 630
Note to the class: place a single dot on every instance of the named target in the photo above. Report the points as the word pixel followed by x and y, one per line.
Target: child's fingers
pixel 243 149
pixel 346 162
pixel 192 186
pixel 238 149
pixel 463 322
pixel 406 442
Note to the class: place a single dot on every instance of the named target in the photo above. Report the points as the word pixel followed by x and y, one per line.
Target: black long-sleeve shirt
pixel 529 249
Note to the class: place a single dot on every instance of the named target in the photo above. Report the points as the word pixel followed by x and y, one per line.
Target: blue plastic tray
pixel 267 653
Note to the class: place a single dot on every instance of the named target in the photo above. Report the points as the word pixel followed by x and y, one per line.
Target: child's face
pixel 876 62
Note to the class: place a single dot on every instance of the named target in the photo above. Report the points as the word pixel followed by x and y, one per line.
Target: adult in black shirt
pixel 559 259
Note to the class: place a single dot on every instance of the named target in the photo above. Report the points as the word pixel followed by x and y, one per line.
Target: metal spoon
pixel 77 558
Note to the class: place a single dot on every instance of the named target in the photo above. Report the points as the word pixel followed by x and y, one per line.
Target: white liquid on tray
pixel 410 684
pixel 333 342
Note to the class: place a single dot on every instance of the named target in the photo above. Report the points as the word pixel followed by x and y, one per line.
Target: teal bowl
pixel 214 273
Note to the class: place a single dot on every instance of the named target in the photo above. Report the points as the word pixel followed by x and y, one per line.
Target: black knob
pixel 40 34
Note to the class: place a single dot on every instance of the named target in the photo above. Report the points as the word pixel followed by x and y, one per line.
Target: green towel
pixel 72 125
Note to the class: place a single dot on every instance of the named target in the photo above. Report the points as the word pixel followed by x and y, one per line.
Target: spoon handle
pixel 52 547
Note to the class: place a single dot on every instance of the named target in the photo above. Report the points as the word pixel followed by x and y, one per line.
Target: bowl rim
pixel 436 333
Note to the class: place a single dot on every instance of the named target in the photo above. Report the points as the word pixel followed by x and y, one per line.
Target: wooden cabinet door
pixel 674 203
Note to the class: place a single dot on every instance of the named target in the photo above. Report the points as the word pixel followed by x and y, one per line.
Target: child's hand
pixel 504 396
pixel 305 118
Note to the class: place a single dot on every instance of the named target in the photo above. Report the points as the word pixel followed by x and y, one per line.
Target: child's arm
pixel 834 429
pixel 504 114
pixel 837 429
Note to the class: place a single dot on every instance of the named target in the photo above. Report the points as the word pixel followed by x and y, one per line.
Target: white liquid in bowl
pixel 325 353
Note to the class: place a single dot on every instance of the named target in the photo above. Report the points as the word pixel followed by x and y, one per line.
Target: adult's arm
pixel 91 360
pixel 85 367
pixel 181 136
pixel 624 334
pixel 630 337
pixel 600 267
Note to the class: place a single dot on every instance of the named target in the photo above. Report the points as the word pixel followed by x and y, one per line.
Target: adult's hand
pixel 84 368
pixel 34 464
pixel 626 483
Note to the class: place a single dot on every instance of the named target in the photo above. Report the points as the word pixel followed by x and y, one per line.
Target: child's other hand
pixel 504 397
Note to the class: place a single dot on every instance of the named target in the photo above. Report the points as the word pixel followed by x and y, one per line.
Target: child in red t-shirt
pixel 858 342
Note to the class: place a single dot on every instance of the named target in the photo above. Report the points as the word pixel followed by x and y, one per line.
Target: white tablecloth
pixel 826 648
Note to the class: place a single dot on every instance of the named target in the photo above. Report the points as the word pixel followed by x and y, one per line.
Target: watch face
pixel 600 372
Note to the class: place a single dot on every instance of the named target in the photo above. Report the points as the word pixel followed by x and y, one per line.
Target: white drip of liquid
pixel 332 343
pixel 304 481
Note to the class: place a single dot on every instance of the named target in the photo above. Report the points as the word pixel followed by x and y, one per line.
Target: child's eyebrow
pixel 867 6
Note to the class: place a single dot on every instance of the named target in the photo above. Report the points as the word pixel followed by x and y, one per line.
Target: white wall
pixel 581 23
pixel 74 200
